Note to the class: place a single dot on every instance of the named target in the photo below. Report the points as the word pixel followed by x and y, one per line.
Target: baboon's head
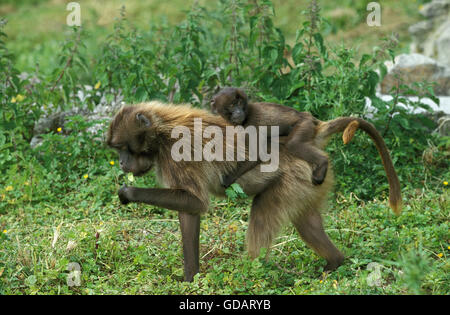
pixel 231 104
pixel 132 134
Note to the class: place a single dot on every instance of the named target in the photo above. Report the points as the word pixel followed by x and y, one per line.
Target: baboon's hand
pixel 319 173
pixel 123 194
pixel 226 181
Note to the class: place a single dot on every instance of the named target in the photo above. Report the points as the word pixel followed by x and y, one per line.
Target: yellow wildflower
pixel 440 255
pixel 20 97
pixel 233 228
pixel 445 183
pixel 448 247
pixel 59 129
pixel 85 176
pixel 97 85
pixel 112 162
pixel 13 100
pixel 5 231
pixel 9 188
pixel 27 183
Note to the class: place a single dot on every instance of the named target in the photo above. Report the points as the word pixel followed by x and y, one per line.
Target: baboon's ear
pixel 213 107
pixel 143 121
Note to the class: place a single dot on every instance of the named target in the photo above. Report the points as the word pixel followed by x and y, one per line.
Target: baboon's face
pixel 231 104
pixel 136 163
pixel 130 134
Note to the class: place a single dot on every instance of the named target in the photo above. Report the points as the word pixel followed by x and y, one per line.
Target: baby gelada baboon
pixel 300 128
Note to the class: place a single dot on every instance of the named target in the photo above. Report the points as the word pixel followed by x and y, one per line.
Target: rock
pixel 51 123
pixel 411 68
pixel 47 124
pixel 420 28
pixel 442 44
pixel 437 111
pixel 431 37
pixel 102 111
pixel 435 8
pixel 35 142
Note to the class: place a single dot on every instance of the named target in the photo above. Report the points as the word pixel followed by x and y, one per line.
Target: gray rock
pixel 47 124
pixel 435 8
pixel 420 28
pixel 442 44
pixel 35 142
pixel 431 37
pixel 51 123
pixel 411 68
pixel 102 111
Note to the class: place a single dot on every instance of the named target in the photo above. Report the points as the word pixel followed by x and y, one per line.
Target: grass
pixel 136 249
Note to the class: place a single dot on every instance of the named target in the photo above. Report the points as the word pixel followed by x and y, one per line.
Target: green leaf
pixel 141 94
pixel 319 43
pixel 31 280
pixel 364 59
pixel 297 52
pixel 231 193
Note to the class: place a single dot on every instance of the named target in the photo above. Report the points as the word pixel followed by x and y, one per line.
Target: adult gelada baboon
pixel 142 135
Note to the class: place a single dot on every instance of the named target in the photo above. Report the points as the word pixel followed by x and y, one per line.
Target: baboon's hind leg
pixel 309 226
pixel 265 221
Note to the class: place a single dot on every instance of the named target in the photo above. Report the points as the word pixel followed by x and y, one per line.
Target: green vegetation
pixel 58 201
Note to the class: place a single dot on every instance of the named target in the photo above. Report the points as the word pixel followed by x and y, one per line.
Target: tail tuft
pixel 395 203
pixel 349 131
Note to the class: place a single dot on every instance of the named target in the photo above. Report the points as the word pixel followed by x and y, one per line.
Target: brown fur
pixel 349 131
pixel 286 194
pixel 299 128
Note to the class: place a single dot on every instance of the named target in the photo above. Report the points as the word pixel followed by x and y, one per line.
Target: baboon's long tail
pixel 349 125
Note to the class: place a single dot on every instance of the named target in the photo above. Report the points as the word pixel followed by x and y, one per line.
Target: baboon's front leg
pixel 172 199
pixel 190 231
pixel 189 207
